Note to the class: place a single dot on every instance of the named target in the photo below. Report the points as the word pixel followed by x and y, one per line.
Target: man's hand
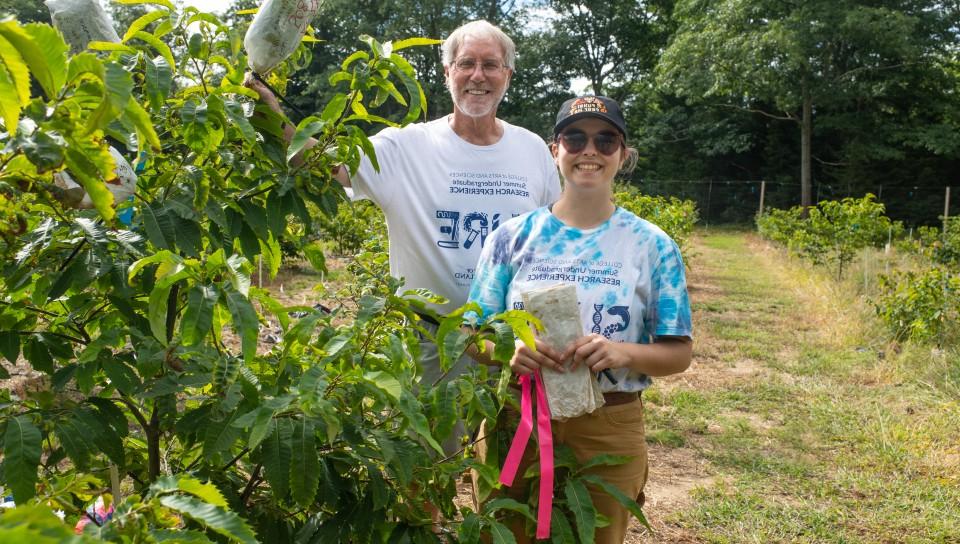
pixel 526 361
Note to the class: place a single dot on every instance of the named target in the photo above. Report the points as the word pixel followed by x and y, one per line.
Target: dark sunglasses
pixel 575 141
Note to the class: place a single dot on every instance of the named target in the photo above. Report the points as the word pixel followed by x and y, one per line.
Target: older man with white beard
pixel 445 185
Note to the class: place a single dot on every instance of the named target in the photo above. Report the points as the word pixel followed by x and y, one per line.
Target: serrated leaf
pixel 215 518
pixel 198 317
pixel 245 323
pixel 88 170
pixel 158 80
pixel 413 411
pixel 560 530
pixel 75 439
pixel 143 124
pixel 17 70
pixel 118 86
pixel 9 101
pixel 159 226
pixel 630 504
pixel 157 312
pixel 158 45
pixel 277 450
pixel 220 436
pixel 579 502
pixel 10 345
pixel 142 23
pixel 21 457
pixel 39 356
pixel 334 108
pixel 469 530
pixel 43 50
pixel 207 492
pixel 103 435
pixel 304 463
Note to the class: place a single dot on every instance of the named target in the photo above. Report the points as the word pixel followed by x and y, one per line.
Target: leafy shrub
pixel 354 224
pixel 832 232
pixel 146 335
pixel 921 306
pixel 676 217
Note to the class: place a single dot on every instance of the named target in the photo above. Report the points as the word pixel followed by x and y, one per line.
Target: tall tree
pixel 791 61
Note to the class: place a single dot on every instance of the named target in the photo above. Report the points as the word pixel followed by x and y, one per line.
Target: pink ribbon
pixel 519 444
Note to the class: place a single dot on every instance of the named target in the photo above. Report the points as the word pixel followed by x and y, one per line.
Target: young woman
pixel 630 286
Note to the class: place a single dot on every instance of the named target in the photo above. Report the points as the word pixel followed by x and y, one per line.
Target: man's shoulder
pixel 515 131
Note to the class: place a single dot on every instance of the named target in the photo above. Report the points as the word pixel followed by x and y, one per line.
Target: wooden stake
pixel 763 191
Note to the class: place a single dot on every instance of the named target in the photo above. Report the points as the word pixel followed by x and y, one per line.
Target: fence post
pixel 706 218
pixel 763 192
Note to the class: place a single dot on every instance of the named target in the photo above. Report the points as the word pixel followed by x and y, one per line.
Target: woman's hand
pixel 526 361
pixel 597 352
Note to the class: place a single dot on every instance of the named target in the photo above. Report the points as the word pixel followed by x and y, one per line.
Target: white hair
pixel 478 29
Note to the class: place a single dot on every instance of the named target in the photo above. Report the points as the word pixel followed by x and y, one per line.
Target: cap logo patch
pixel 587 104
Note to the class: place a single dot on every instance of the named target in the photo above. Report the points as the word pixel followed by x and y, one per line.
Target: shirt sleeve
pixel 669 314
pixel 368 182
pixel 492 276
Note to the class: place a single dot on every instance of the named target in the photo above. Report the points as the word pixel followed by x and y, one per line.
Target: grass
pixel 811 433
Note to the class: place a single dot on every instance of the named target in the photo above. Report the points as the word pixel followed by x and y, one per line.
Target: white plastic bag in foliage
pixel 276 30
pixel 81 22
pixel 122 185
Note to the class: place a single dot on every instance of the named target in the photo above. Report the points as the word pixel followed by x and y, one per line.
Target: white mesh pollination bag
pixel 81 22
pixel 122 185
pixel 276 30
pixel 574 392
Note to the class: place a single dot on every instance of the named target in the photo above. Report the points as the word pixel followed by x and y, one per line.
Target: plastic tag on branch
pixel 81 22
pixel 276 31
pixel 122 185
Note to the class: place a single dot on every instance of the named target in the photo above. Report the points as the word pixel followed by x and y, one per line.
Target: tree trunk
pixel 806 134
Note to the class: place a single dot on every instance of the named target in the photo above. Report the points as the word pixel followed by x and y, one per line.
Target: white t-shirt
pixel 443 196
pixel 629 275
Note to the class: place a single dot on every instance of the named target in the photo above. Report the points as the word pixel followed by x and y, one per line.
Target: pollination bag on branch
pixel 81 22
pixel 574 392
pixel 276 30
pixel 122 185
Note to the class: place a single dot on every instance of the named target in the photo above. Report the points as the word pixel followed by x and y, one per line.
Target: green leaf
pixel 630 504
pixel 159 226
pixel 76 441
pixel 10 99
pixel 207 492
pixel 304 463
pixel 157 312
pixel 158 78
pixel 501 534
pixel 245 322
pixel 198 318
pixel 37 353
pixel 44 149
pixel 16 70
pixel 21 457
pixel 504 342
pixel 84 63
pixel 118 86
pixel 413 42
pixel 158 45
pixel 215 518
pixel 143 124
pixel 314 254
pixel 579 502
pixel 560 530
pixel 334 108
pixel 503 503
pixel 44 52
pixel 306 129
pixel 220 436
pixel 469 530
pixel 413 411
pixel 10 346
pixel 277 450
pixel 102 434
pixel 142 23
pixel 86 170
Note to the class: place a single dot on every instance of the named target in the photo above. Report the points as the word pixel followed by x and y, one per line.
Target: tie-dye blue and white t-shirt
pixel 629 276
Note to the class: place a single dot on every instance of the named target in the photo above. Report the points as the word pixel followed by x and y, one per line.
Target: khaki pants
pixel 615 430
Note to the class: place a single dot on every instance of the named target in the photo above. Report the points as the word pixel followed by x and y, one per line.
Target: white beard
pixel 476 108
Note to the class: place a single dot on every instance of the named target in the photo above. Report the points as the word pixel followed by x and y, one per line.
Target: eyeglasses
pixel 575 141
pixel 489 67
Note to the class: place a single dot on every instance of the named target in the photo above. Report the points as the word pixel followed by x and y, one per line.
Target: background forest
pixel 821 99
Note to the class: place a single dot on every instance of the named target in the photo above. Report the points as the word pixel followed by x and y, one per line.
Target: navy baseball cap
pixel 599 107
